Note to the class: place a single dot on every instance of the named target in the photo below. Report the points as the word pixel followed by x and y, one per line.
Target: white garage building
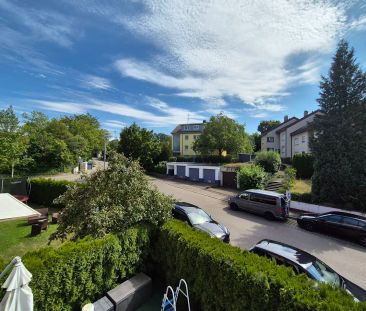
pixel 195 171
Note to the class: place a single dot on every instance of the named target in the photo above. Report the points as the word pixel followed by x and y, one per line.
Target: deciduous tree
pixel 265 126
pixel 112 200
pixel 220 134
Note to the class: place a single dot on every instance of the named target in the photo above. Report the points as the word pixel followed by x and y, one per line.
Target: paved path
pixel 346 258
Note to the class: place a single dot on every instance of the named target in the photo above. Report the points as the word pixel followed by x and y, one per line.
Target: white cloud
pixel 165 115
pixel 95 82
pixel 114 124
pixel 240 48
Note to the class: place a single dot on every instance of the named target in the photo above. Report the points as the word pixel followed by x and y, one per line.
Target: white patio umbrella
pixel 18 296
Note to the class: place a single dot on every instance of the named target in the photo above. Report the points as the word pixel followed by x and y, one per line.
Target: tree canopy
pixel 139 144
pixel 265 126
pixel 339 141
pixel 43 144
pixel 13 144
pixel 112 200
pixel 220 134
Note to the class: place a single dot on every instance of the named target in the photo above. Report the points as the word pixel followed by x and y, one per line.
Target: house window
pixel 185 147
pixel 270 139
pixel 186 137
pixel 186 127
pixel 296 141
pixel 303 139
pixel 196 127
pixel 194 137
pixel 283 149
pixel 270 149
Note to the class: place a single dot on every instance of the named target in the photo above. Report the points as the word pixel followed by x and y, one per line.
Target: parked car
pixel 341 224
pixel 270 204
pixel 303 262
pixel 198 218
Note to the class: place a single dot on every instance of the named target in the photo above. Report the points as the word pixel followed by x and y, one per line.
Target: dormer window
pixel 196 127
pixel 186 127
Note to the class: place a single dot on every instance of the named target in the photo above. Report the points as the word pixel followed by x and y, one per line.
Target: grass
pixel 15 238
pixel 302 186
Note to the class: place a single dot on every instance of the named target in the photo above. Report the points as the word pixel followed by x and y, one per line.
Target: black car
pixel 198 218
pixel 344 225
pixel 303 262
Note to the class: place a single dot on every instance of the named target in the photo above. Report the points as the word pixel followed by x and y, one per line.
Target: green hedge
pixel 252 177
pixel 303 163
pixel 301 197
pixel 67 277
pixel 205 159
pixel 45 190
pixel 223 277
pixel 160 168
pixel 269 160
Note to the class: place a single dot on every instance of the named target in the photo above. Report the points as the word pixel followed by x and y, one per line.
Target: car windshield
pixel 320 272
pixel 199 217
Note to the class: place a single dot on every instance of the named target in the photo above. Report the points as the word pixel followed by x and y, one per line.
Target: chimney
pixel 204 121
pixel 306 113
pixel 285 119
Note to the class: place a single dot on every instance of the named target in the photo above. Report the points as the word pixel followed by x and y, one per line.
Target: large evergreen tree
pixel 339 142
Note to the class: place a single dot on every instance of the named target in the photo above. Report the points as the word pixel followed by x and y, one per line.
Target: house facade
pixel 183 136
pixel 290 137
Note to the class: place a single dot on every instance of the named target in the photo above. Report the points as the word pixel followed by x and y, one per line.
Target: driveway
pixel 346 258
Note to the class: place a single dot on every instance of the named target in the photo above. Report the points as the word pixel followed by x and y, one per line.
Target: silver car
pixel 270 204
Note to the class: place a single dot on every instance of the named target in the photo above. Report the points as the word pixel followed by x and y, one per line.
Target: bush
pixel 45 190
pixel 289 178
pixel 252 177
pixel 303 163
pixel 223 277
pixel 160 168
pixel 269 160
pixel 172 159
pixel 67 277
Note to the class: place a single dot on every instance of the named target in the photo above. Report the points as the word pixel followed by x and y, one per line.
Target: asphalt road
pixel 246 229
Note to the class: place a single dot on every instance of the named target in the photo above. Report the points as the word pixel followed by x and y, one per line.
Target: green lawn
pixel 302 186
pixel 15 238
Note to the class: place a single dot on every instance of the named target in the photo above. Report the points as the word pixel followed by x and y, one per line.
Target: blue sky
pixel 160 63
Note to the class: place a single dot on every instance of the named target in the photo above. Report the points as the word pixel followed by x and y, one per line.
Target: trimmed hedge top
pixel 223 277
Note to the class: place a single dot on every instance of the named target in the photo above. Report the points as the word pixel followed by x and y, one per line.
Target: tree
pixel 13 144
pixel 220 134
pixel 165 146
pixel 339 141
pixel 255 139
pixel 139 144
pixel 265 126
pixel 111 201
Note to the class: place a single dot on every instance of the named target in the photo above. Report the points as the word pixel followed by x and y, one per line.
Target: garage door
pixel 229 179
pixel 181 171
pixel 209 176
pixel 194 174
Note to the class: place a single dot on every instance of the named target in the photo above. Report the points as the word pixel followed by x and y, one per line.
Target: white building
pixel 290 137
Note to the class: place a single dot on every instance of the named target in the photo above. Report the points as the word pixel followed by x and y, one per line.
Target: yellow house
pixel 183 136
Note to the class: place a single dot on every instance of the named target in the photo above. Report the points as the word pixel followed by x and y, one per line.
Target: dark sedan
pixel 198 218
pixel 344 225
pixel 303 262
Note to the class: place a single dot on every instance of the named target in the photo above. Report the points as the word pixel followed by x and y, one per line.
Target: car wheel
pixel 233 206
pixel 269 216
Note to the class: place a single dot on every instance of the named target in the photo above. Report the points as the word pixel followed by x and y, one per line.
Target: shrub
pixel 160 168
pixel 269 160
pixel 252 176
pixel 172 159
pixel 289 178
pixel 303 163
pixel 223 277
pixel 67 277
pixel 45 190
